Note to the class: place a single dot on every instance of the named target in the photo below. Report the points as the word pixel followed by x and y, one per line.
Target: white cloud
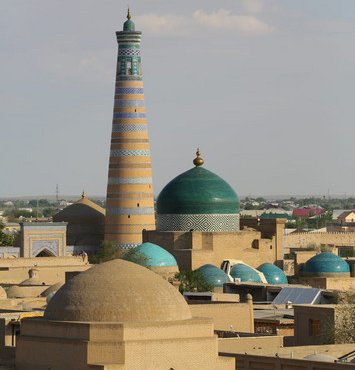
pixel 163 25
pixel 224 19
pixel 176 25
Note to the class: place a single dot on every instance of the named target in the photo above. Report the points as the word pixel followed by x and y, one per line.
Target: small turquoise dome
pixel 213 275
pixel 128 25
pixel 325 263
pixel 198 191
pixel 155 256
pixel 244 273
pixel 273 274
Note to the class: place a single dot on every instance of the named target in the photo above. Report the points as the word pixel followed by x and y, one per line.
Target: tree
pixel 342 329
pixel 133 255
pixel 345 318
pixel 192 281
pixel 5 239
pixel 108 251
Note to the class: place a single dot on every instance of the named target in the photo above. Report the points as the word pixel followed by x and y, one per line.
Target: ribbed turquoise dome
pixel 326 263
pixel 213 275
pixel 273 274
pixel 155 255
pixel 198 191
pixel 244 273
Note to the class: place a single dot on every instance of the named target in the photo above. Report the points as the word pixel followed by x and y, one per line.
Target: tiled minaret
pixel 130 200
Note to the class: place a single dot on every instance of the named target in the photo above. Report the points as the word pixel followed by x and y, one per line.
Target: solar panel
pixel 298 296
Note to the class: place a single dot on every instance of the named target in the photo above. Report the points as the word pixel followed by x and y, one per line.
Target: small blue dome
pixel 156 256
pixel 213 275
pixel 326 263
pixel 244 273
pixel 273 274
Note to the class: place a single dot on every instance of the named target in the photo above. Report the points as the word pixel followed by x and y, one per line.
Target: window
pixel 129 67
pixel 314 327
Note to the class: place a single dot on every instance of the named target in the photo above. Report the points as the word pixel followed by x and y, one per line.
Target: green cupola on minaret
pixel 128 25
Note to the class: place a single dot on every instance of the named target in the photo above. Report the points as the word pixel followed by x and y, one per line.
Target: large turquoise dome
pixel 326 264
pixel 213 275
pixel 198 199
pixel 273 274
pixel 244 273
pixel 198 191
pixel 153 256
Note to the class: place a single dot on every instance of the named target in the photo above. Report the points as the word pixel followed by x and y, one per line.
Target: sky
pixel 263 87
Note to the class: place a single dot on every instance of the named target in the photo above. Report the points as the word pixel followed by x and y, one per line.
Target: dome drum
pixel 198 222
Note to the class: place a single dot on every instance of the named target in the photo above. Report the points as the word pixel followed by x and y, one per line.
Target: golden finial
pixel 128 14
pixel 198 161
pixel 83 194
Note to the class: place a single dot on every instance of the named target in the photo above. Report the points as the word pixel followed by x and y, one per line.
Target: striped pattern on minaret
pixel 130 199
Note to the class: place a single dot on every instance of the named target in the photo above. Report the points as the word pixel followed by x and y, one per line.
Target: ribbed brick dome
pixel 117 291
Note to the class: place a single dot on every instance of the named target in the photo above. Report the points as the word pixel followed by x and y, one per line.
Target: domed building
pixel 197 217
pixel 123 315
pixel 29 288
pixel 326 265
pixel 273 274
pixel 198 199
pixel 86 222
pixel 245 273
pixel 213 275
pixel 155 258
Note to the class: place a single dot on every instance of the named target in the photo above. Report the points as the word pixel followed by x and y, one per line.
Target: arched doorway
pixel 45 253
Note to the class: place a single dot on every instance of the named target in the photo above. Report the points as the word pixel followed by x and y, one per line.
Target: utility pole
pixel 57 193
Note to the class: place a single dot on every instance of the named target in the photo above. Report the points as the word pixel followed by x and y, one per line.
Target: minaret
pixel 130 199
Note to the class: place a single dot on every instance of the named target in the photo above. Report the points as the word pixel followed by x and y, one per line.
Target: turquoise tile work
pixel 326 263
pixel 156 256
pixel 273 274
pixel 244 273
pixel 198 191
pixel 213 275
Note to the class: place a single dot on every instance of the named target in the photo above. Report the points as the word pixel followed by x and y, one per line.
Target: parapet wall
pixel 51 269
pixel 304 239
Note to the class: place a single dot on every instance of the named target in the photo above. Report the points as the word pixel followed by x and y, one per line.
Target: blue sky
pixel 264 88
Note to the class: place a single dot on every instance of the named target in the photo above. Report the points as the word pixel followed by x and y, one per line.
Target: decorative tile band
pixel 129 90
pixel 128 152
pixel 205 222
pixel 116 211
pixel 134 103
pixel 129 78
pixel 128 115
pixel 129 180
pixel 129 51
pixel 120 127
pixel 127 246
